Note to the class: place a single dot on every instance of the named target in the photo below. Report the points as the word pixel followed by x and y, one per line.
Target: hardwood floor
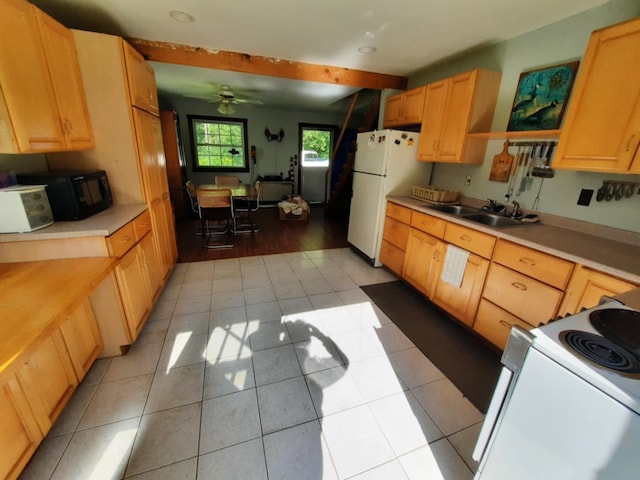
pixel 275 236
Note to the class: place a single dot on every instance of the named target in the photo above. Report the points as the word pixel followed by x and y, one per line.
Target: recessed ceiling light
pixel 367 49
pixel 181 16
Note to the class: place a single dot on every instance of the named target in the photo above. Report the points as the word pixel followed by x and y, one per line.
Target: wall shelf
pixel 530 134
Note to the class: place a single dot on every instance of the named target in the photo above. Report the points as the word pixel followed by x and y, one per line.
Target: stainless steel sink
pixel 454 209
pixel 492 220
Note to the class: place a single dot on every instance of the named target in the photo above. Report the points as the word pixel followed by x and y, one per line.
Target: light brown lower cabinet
pixel 133 283
pixel 48 379
pixel 419 260
pixel 462 301
pixel 19 431
pixel 82 338
pixel 587 286
pixel 494 323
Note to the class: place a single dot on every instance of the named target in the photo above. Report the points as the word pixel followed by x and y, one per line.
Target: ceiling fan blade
pixel 247 101
pixel 208 99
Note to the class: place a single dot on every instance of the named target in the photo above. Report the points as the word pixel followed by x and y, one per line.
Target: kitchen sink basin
pixel 492 220
pixel 454 209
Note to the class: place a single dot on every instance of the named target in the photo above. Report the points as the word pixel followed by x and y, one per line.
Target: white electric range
pixel 557 413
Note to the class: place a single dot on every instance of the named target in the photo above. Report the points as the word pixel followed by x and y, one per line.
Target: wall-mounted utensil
pixel 545 171
pixel 514 168
pixel 524 167
pixel 501 166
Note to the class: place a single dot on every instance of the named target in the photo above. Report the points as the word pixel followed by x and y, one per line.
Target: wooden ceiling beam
pixel 274 67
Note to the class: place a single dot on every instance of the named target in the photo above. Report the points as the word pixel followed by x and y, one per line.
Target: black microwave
pixel 73 194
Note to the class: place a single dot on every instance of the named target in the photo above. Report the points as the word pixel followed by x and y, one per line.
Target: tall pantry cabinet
pixel 123 105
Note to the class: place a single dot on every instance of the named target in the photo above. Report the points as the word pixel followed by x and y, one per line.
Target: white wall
pixel 272 157
pixel 557 43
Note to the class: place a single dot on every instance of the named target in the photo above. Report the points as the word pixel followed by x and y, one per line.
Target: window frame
pixel 192 119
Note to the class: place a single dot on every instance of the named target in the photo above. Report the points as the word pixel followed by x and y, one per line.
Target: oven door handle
pixel 491 419
pixel 518 345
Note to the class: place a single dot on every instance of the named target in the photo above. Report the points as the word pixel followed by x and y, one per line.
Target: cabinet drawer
pixel 396 233
pixel 142 225
pixel 471 240
pixel 543 267
pixel 398 212
pixel 429 224
pixel 392 257
pixel 494 324
pixel 122 240
pixel 526 298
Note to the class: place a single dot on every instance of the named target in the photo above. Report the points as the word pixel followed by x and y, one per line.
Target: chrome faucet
pixel 516 212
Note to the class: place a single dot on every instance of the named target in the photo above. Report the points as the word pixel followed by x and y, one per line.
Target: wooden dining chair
pixel 215 208
pixel 230 180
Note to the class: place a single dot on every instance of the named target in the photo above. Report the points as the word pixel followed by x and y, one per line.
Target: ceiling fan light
pixel 226 109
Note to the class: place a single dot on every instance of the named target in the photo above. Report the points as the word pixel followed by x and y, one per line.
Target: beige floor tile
pixel 180 386
pixel 264 312
pixel 70 417
pixel 404 422
pixel 244 461
pixel 100 452
pixel 200 303
pixel 256 295
pixel 436 461
pixel 318 353
pixel 43 463
pixel 184 349
pixel 284 404
pixel 165 438
pixel 228 299
pixel 229 420
pixel 229 341
pixel 333 391
pixel 269 335
pixel 193 324
pixel 464 442
pixel 391 338
pixel 299 453
pixel 355 441
pixel 288 289
pixel 275 364
pixel 184 470
pixel 116 401
pixel 139 360
pixel 446 406
pixel 414 368
pixel 376 378
pixel 228 376
pixel 392 470
pixel 357 347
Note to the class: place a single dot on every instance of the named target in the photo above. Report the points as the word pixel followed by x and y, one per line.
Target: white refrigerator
pixel 385 164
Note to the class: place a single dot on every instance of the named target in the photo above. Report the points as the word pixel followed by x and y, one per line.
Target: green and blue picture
pixel 541 98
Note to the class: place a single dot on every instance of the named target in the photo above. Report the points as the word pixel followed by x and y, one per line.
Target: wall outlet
pixel 467 180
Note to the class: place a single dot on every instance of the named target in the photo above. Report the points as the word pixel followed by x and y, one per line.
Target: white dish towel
pixel 455 262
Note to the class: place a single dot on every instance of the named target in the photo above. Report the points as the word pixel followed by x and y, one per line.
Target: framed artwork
pixel 541 98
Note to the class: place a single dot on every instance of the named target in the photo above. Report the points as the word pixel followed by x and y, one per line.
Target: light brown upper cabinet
pixel 454 107
pixel 42 102
pixel 601 129
pixel 404 108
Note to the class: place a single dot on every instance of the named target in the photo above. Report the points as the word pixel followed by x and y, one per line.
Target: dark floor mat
pixel 470 364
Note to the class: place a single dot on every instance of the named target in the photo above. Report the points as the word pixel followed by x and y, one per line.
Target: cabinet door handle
pixel 504 323
pixel 126 240
pixel 527 261
pixel 465 238
pixel 519 286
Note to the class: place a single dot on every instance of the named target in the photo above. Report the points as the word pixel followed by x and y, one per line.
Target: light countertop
pixel 101 224
pixel 58 286
pixel 606 253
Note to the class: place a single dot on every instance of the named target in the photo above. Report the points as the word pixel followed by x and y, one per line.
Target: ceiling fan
pixel 226 98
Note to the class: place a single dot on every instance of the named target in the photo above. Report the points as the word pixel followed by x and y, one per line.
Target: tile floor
pixel 270 367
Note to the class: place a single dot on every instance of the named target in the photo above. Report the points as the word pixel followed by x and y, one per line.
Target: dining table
pixel 242 191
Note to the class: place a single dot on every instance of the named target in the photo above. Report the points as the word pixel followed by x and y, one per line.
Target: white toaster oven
pixel 24 208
